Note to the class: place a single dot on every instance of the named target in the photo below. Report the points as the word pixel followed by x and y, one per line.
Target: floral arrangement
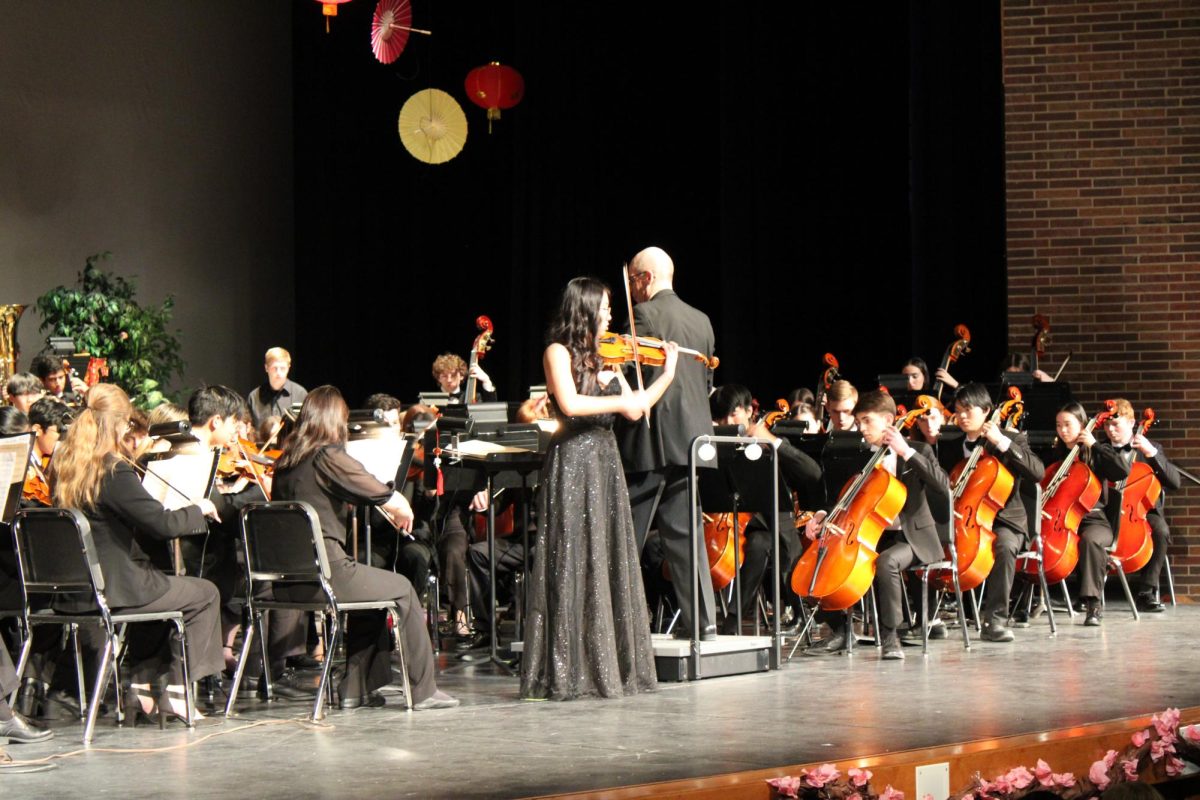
pixel 1163 742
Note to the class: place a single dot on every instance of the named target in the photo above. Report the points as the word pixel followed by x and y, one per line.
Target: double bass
pixel 957 349
pixel 828 376
pixel 483 342
pixel 838 567
pixel 1069 490
pixel 980 486
pixel 1139 494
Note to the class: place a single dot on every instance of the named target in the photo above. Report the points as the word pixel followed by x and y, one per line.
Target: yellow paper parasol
pixel 433 126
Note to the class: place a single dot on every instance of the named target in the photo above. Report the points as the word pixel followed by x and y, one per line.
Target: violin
pixel 483 342
pixel 617 349
pixel 980 486
pixel 1139 494
pixel 957 349
pixel 37 487
pixel 1070 489
pixel 828 376
pixel 840 566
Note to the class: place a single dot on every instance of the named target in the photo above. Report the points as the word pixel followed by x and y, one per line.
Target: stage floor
pixel 495 745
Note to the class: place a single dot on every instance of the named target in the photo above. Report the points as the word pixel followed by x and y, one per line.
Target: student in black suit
pixel 655 456
pixel 92 474
pixel 974 405
pixel 913 538
pixel 1138 449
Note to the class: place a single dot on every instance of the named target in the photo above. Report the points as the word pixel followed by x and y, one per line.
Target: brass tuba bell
pixel 10 315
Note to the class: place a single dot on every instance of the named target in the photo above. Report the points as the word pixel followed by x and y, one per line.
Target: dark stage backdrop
pixel 827 178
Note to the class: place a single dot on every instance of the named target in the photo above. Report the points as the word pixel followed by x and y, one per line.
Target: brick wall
pixel 1102 152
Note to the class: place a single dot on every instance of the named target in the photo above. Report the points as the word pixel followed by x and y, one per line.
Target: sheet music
pixel 190 473
pixel 380 453
pixel 14 457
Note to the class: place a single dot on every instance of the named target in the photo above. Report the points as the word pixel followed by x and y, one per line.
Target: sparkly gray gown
pixel 588 629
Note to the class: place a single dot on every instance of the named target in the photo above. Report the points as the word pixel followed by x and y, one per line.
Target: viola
pixel 957 349
pixel 618 349
pixel 1139 494
pixel 719 541
pixel 36 488
pixel 839 567
pixel 483 342
pixel 981 485
pixel 828 376
pixel 1070 489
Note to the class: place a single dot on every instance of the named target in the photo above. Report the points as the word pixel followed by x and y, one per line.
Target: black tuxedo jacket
pixel 1019 460
pixel 125 512
pixel 682 414
pixel 926 482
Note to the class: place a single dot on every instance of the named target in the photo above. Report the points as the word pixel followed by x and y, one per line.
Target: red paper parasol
pixel 390 28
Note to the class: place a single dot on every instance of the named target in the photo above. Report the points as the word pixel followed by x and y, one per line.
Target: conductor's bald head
pixel 651 271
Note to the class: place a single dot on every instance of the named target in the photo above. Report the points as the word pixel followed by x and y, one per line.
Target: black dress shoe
pixel 893 650
pixel 708 634
pixel 1150 604
pixel 835 643
pixel 369 700
pixel 59 704
pixel 996 633
pixel 304 662
pixel 19 729
pixel 1093 614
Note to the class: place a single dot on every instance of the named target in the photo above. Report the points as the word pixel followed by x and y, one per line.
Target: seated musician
pixel 1137 448
pixel 973 406
pixel 23 390
pixel 1095 531
pixel 732 404
pixel 53 374
pixel 840 400
pixel 913 538
pixel 49 420
pixel 916 372
pixel 450 370
pixel 275 396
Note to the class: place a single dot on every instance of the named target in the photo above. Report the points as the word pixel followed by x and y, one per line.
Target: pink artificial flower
pixel 1019 777
pixel 1191 733
pixel 1131 769
pixel 1140 738
pixel 826 773
pixel 1098 774
pixel 787 786
pixel 855 796
pixel 1157 750
pixel 1110 758
pixel 1065 779
pixel 1167 722
pixel 1174 766
pixel 985 786
pixel 859 777
pixel 1043 773
pixel 891 794
pixel 1002 785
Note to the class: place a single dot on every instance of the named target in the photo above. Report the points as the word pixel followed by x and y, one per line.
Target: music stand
pixel 384 452
pixel 14 463
pixel 895 382
pixel 439 399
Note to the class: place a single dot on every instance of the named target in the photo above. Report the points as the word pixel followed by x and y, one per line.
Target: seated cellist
pixel 913 538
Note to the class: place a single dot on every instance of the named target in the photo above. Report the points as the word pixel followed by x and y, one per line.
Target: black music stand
pixel 742 485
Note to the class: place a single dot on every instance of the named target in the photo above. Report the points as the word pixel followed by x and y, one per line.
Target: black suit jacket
pixel 682 414
pixel 926 482
pixel 328 480
pixel 124 512
pixel 1019 460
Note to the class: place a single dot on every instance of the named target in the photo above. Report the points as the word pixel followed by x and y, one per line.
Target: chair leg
pixel 1170 579
pixel 962 615
pixel 101 684
pixel 22 662
pixel 334 637
pixel 1120 570
pixel 188 693
pixel 1046 600
pixel 1066 596
pixel 80 680
pixel 396 632
pixel 925 612
pixel 243 656
pixel 266 662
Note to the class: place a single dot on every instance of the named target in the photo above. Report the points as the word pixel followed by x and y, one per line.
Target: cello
pixel 1139 494
pixel 1069 490
pixel 838 567
pixel 483 342
pixel 719 541
pixel 957 349
pixel 980 486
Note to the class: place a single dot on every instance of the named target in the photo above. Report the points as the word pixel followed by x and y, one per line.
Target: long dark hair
pixel 574 327
pixel 323 420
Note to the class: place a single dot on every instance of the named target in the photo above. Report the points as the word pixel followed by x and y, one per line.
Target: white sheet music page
pixel 380 453
pixel 187 472
pixel 14 457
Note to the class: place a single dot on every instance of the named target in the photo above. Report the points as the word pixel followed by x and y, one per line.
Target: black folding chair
pixel 283 544
pixel 948 566
pixel 1033 502
pixel 58 560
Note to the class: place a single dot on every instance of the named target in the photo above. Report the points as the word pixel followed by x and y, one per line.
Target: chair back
pixel 283 542
pixel 56 554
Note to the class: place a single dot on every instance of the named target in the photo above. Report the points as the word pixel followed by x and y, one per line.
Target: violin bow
pixel 633 333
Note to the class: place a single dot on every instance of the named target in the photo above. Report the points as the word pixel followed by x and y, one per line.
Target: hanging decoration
pixel 329 9
pixel 390 28
pixel 495 86
pixel 433 126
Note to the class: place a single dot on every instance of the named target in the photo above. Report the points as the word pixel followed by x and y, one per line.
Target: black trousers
pixel 1095 537
pixel 1000 580
pixel 8 675
pixel 510 560
pixel 758 562
pixel 368 642
pixel 1150 575
pixel 152 649
pixel 659 498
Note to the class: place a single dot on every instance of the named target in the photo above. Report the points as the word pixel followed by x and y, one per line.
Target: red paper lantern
pixel 329 9
pixel 495 87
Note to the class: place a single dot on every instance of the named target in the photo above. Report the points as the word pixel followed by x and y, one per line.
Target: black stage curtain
pixel 826 177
